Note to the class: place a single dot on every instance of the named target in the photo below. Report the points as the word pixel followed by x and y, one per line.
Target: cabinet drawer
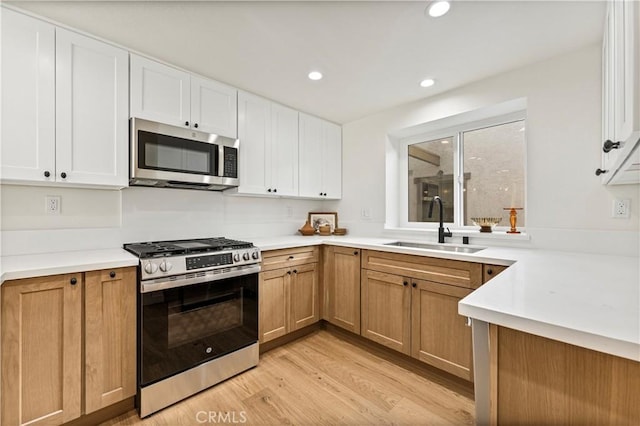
pixel 113 273
pixel 276 259
pixel 452 272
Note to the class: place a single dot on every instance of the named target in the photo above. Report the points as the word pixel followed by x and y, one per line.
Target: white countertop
pixel 587 300
pixel 38 265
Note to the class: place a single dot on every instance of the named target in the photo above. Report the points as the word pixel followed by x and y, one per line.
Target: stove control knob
pixel 255 255
pixel 165 266
pixel 245 256
pixel 150 268
pixel 236 257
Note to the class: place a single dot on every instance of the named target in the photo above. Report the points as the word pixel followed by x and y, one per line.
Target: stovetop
pixel 182 247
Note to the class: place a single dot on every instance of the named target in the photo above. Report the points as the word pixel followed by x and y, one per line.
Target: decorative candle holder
pixel 513 219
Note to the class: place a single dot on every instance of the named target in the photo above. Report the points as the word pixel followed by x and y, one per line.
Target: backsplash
pixel 93 219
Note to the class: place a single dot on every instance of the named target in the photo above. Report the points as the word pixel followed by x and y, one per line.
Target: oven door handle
pixel 197 278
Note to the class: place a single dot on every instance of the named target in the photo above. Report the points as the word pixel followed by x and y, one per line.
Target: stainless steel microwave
pixel 174 157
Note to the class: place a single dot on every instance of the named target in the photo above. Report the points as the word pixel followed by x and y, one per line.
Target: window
pixel 477 169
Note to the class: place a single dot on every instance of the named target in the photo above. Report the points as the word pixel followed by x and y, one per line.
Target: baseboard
pixel 288 338
pixel 104 414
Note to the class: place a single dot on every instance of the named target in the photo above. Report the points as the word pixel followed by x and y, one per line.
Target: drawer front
pixel 452 272
pixel 276 259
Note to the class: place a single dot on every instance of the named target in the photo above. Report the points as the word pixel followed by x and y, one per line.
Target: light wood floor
pixel 322 379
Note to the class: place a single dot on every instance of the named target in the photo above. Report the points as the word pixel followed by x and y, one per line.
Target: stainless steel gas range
pixel 197 316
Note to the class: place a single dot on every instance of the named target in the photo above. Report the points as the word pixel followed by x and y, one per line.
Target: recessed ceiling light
pixel 315 75
pixel 427 83
pixel 444 141
pixel 438 8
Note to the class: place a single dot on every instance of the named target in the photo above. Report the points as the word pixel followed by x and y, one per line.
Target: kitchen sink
pixel 434 246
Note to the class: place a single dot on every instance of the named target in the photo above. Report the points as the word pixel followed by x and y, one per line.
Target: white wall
pixel 567 207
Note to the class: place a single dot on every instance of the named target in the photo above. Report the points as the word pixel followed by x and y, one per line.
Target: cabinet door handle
pixel 73 281
pixel 291 257
pixel 405 283
pixel 413 285
pixel 195 125
pixel 112 274
pixel 600 171
pixel 355 253
pixel 288 272
pixel 609 145
pixel 275 190
pixel 63 175
pixel 489 271
pixel 186 123
pixel 269 190
pixel 295 271
pixel 47 173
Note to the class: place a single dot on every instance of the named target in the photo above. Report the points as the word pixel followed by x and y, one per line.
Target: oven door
pixel 186 326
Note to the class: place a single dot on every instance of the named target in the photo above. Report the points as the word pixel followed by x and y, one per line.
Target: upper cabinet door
pixel 332 161
pixel 320 158
pixel 28 98
pixel 91 111
pixel 159 93
pixel 627 79
pixel 310 156
pixel 214 107
pixel 284 150
pixel 254 132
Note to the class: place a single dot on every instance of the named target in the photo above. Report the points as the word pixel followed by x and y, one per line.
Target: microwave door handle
pixel 220 160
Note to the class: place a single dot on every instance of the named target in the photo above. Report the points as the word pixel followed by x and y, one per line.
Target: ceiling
pixel 373 54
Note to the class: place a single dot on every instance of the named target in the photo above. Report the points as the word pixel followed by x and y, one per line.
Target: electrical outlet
pixel 365 213
pixel 621 208
pixel 52 204
pixel 289 211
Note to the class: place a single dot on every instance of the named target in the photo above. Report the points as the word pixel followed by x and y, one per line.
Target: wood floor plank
pixel 320 379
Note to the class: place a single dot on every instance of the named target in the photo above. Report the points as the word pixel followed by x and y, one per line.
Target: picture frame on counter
pixel 317 219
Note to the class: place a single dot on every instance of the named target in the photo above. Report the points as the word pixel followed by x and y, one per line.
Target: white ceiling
pixel 373 54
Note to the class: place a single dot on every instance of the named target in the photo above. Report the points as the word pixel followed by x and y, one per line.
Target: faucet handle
pixel 448 233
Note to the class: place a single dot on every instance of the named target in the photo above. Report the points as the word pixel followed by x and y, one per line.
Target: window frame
pixel 457 133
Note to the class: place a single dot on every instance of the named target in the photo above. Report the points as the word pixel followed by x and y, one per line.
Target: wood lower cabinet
pixel 42 350
pixel 538 381
pixel 288 296
pixel 386 310
pixel 410 304
pixel 342 287
pixel 304 302
pixel 273 299
pixel 109 337
pixel 440 336
pixel 44 367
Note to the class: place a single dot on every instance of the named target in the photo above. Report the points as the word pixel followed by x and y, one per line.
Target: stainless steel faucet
pixel 441 232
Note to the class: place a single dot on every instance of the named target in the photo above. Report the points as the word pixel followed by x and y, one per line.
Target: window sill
pixel 459 233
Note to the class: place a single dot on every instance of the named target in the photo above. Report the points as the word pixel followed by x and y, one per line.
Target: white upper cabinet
pixel 268 135
pixel 28 99
pixel 92 115
pixel 171 96
pixel 159 93
pixel 214 107
pixel 621 93
pixel 320 158
pixel 284 150
pixel 64 106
